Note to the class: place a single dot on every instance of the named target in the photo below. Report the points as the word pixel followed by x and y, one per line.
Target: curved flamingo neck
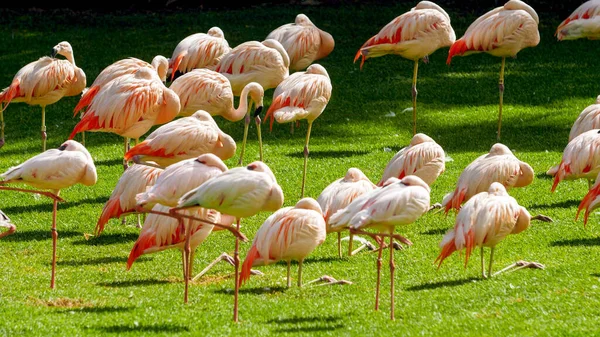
pixel 242 109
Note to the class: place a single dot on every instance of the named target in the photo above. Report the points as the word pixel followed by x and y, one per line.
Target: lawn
pixel 363 126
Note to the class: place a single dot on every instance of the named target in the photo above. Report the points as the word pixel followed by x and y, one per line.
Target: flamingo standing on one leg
pixel 6 223
pixel 413 35
pixel 240 192
pixel 340 194
pixel 501 32
pixel 199 50
pixel 303 41
pixel 499 165
pixel 183 138
pixel 53 170
pixel 485 220
pixel 303 95
pixel 580 159
pixel 423 157
pixel 582 23
pixel 129 106
pixel 266 63
pixel 122 199
pixel 590 202
pixel 291 233
pixel 204 89
pixel 401 202
pixel 44 82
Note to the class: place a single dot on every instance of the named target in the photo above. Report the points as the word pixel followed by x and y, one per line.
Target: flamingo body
pixel 587 120
pixel 423 157
pixel 580 158
pixel 303 41
pixel 584 22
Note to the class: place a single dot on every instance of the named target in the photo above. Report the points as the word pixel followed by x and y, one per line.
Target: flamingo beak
pixel 53 53
pixel 258 111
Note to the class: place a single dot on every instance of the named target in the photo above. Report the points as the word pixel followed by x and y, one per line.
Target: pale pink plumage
pixel 199 50
pixel 580 158
pixel 266 63
pixel 590 201
pixel 303 41
pixel 484 221
pixel 208 90
pixel 136 179
pixel 291 233
pixel 499 165
pixel 179 178
pixel 423 157
pixel 412 35
pixel 502 32
pixel 184 138
pixel 130 105
pixel 587 120
pixel 584 22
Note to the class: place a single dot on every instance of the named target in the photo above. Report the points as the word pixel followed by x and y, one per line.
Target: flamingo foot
pixel 437 205
pixel 520 265
pixel 327 280
pixel 226 258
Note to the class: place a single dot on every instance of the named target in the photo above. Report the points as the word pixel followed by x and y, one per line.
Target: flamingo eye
pixel 251 167
pixel 62 147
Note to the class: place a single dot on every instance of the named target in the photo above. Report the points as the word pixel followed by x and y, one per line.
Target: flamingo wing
pixel 583 22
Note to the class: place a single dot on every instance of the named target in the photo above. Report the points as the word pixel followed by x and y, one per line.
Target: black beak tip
pixel 258 111
pixel 53 53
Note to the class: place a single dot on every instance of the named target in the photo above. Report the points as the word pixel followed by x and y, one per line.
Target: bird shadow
pixel 97 310
pixel 577 242
pixel 328 154
pixel 595 274
pixel 47 208
pixel 38 235
pixel 132 283
pixel 254 291
pixel 435 285
pixel 560 204
pixel 108 239
pixel 435 231
pixel 101 260
pixel 322 259
pixel 109 162
pixel 307 324
pixel 543 175
pixel 142 328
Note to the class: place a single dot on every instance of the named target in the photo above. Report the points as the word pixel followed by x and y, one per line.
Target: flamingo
pixel 205 89
pixel 6 223
pixel 183 138
pixel 199 50
pixel 129 106
pixel 303 95
pixel 587 120
pixel 590 202
pixel 423 157
pixel 340 194
pixel 413 35
pixel 291 233
pixel 485 220
pixel 53 170
pixel 44 82
pixel 122 199
pixel 401 202
pixel 580 158
pixel 501 32
pixel 582 23
pixel 303 41
pixel 240 192
pixel 499 165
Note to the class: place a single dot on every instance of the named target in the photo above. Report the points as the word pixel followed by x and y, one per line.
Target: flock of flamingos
pixel 177 175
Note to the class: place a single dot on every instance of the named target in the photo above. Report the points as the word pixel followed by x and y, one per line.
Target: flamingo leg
pixel 379 263
pixel 350 240
pixel 501 88
pixel 236 260
pixel 300 273
pixel 520 265
pixel 414 96
pixel 223 257
pixel 126 148
pixel 339 240
pixel 187 250
pixel 183 263
pixel 392 268
pixel 54 242
pixel 289 279
pixel 44 135
pixel 191 264
pixel 83 132
pixel 1 126
pixel 291 128
pixel 306 156
pixel 482 264
pixel 258 121
pixel 491 261
pixel 139 221
pixel 246 125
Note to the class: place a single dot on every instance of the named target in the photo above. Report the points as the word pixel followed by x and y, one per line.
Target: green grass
pixel 546 88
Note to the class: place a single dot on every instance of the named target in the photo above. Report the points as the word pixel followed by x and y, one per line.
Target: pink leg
pixel 236 259
pixel 392 268
pixel 54 240
pixel 378 276
pixel 187 253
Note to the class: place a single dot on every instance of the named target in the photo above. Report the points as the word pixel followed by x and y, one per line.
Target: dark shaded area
pixel 326 154
pixel 38 235
pixel 322 259
pixel 308 324
pixel 47 208
pixel 435 285
pixel 108 239
pixel 560 204
pixel 543 175
pixel 132 283
pixel 97 310
pixel 101 260
pixel 142 328
pixel 310 328
pixel 577 242
pixel 436 231
pixel 308 319
pixel 253 291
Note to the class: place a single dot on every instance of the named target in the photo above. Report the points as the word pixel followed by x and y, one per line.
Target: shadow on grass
pixel 436 231
pixel 108 239
pixel 327 154
pixel 577 242
pixel 560 204
pixel 323 259
pixel 97 310
pixel 132 283
pixel 543 175
pixel 307 324
pixel 109 162
pixel 253 291
pixel 38 235
pixel 101 260
pixel 47 207
pixel 435 285
pixel 142 328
